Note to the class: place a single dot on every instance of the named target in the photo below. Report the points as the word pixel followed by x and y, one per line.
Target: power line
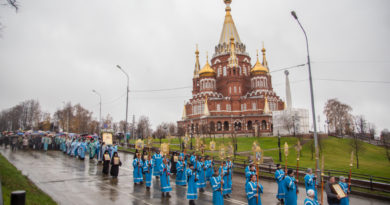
pixel 282 69
pixel 160 90
pixel 352 81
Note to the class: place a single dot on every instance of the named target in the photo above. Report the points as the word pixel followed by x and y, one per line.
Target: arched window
pixel 224 71
pixel 235 89
pixel 237 126
pixel 263 125
pixel 250 127
pixel 219 126
pixel 219 71
pixel 226 126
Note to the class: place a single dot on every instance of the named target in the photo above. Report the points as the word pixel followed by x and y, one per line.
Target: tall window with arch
pixel 224 71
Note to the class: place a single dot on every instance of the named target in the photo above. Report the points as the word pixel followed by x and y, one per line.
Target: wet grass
pixel 12 179
pixel 336 151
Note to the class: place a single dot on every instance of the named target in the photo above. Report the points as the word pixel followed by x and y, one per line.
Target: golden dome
pixel 207 71
pixel 259 68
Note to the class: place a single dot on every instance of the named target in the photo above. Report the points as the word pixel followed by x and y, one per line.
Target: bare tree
pixel 357 146
pixel 144 127
pixel 385 138
pixel 338 115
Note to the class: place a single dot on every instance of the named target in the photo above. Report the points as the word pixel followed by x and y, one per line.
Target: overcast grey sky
pixel 57 51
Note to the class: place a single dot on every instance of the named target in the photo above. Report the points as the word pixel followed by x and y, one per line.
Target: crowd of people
pixel 191 170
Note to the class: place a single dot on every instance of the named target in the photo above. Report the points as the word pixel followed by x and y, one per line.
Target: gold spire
pixel 258 68
pixel 206 108
pixel 228 26
pixel 207 71
pixel 197 64
pixel 233 61
pixel 265 63
pixel 266 106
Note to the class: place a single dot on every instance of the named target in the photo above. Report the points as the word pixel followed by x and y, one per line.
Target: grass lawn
pixel 336 151
pixel 12 179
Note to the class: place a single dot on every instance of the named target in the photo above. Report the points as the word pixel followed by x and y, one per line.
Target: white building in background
pixel 288 121
pixel 291 120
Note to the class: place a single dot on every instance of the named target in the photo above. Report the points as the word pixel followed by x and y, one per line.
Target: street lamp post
pixel 100 111
pixel 127 101
pixel 311 95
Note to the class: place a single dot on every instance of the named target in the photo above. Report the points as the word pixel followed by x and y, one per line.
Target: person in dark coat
pixel 106 162
pixel 173 163
pixel 115 164
pixel 332 197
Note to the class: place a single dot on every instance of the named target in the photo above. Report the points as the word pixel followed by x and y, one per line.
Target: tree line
pixel 28 115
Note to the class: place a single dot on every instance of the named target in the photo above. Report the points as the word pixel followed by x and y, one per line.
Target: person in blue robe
pixel 69 146
pixel 201 168
pixel 137 170
pixel 290 188
pixel 192 189
pixel 45 142
pixel 229 165
pixel 309 200
pixel 209 163
pixel 157 161
pixel 76 152
pixel 253 190
pixel 181 172
pixel 279 177
pixel 216 186
pixel 193 159
pixel 250 172
pixel 310 182
pixel 148 170
pixel 223 171
pixel 344 186
pixel 165 174
pixel 73 147
pixel 114 148
pixel 82 149
pixel 92 149
pixel 100 151
pixel 247 168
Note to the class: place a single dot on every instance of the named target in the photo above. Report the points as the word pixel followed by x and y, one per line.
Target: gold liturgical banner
pixel 107 138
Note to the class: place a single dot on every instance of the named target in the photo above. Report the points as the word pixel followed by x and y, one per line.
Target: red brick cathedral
pixel 229 94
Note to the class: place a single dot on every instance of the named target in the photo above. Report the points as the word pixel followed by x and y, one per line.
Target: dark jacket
pixel 331 196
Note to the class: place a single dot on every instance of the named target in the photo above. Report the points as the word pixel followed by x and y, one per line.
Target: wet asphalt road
pixel 71 181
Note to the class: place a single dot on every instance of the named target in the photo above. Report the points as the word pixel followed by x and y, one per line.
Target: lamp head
pixel 294 15
pixel 118 66
pixel 94 90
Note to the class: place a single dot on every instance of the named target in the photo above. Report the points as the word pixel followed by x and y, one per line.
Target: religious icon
pixel 139 144
pixel 175 158
pixel 145 157
pixel 338 190
pixel 165 148
pixel 116 160
pixel 107 157
pixel 222 154
pixel 107 138
pixel 212 145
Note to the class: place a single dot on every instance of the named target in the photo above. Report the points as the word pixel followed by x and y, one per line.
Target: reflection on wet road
pixel 71 181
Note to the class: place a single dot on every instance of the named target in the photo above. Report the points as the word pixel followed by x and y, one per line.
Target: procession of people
pixel 196 171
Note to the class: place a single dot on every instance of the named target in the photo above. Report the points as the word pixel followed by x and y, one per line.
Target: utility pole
pixel 132 128
pixel 311 95
pixel 127 99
